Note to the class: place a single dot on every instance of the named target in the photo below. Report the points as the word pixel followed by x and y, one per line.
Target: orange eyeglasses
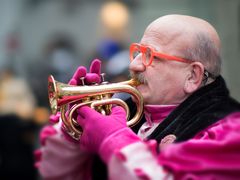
pixel 148 54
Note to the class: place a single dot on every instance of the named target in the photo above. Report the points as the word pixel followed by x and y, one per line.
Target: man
pixel 190 128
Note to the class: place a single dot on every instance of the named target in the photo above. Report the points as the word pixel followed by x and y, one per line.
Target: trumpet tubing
pixel 96 96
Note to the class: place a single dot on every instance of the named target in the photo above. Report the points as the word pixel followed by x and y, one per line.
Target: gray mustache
pixel 139 76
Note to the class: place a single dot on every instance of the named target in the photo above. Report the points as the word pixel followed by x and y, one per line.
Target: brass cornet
pixel 99 96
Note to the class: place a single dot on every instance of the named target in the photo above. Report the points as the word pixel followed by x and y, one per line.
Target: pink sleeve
pixel 62 159
pixel 213 154
pixel 136 161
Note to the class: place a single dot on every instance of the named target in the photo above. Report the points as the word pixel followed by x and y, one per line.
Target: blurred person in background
pixel 114 21
pixel 59 57
pixel 61 54
pixel 190 127
pixel 106 49
pixel 117 71
pixel 17 128
pixel 117 67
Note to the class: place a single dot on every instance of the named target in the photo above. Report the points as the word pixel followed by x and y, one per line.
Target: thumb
pixel 119 111
pixel 87 112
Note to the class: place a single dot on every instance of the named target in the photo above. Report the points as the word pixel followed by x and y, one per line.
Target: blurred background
pixel 42 37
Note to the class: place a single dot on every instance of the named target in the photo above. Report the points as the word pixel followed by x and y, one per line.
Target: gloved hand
pixel 45 133
pixel 92 77
pixel 89 78
pixel 104 134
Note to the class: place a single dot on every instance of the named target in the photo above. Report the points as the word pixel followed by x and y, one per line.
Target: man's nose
pixel 137 65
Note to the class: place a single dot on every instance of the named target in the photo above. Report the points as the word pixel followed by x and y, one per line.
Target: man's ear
pixel 194 77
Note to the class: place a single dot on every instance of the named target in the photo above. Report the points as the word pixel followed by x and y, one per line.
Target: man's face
pixel 163 80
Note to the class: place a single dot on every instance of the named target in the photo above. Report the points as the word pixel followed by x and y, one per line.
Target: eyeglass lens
pixel 136 52
pixel 146 54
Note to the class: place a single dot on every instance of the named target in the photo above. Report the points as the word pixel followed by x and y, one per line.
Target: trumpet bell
pixel 52 94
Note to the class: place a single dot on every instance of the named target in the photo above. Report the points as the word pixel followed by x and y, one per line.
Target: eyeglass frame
pixel 154 53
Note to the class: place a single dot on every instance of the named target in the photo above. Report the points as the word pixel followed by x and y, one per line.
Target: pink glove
pixel 104 134
pixel 45 133
pixel 89 78
pixel 37 157
pixel 54 118
pixel 92 77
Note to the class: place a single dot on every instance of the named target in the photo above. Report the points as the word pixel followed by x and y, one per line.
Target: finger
pixel 95 66
pixel 37 158
pixel 73 82
pixel 80 72
pixel 92 78
pixel 45 133
pixel 54 118
pixel 37 155
pixel 37 164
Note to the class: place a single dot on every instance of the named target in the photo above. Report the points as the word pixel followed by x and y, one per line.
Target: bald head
pixel 186 36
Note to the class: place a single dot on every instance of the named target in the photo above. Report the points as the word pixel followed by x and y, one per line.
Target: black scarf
pixel 203 108
pixel 200 110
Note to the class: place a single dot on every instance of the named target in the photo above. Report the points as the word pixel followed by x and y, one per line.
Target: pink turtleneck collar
pixel 157 113
pixel 154 115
